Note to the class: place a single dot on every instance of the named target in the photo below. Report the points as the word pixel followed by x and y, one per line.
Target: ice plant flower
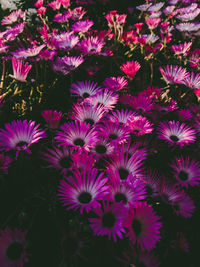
pixel 176 133
pixel 19 135
pixel 186 171
pixel 141 103
pixel 115 83
pixel 82 26
pixel 122 116
pixel 192 81
pixel 139 125
pixel 109 220
pixel 13 248
pixel 85 89
pixel 58 158
pixel 82 160
pixel 143 226
pixel 29 52
pixel 181 48
pixel 91 45
pixel 130 68
pixel 52 118
pixel 20 70
pixel 13 17
pixel 4 163
pixel 76 134
pixel 173 74
pixel 83 191
pixel 102 148
pixel 188 26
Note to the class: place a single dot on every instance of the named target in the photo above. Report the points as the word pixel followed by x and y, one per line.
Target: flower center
pixel 100 149
pixel 79 142
pixel 137 227
pixel 108 220
pixel 183 175
pixel 174 138
pixel 84 198
pixel 113 136
pixel 65 162
pixel 21 144
pixel 123 173
pixel 85 95
pixel 121 197
pixel 14 251
pixel 90 121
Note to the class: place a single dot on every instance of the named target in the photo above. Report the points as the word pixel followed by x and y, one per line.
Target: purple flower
pixel 115 83
pixel 82 160
pixel 109 220
pixel 181 48
pixel 192 81
pixel 52 118
pixel 20 70
pixel 91 45
pixel 176 133
pixel 88 113
pixel 102 148
pixel 30 52
pixel 156 7
pixel 13 17
pixel 11 33
pixel 58 158
pixel 186 171
pixel 188 16
pixel 152 181
pixel 173 74
pixel 67 64
pixel 143 7
pixel 188 26
pixel 62 17
pixel 184 206
pixel 141 103
pixel 85 89
pixel 76 134
pixel 122 116
pixel 143 226
pixel 82 26
pixel 139 125
pixel 83 191
pixel 19 135
pixel 64 41
pixel 184 114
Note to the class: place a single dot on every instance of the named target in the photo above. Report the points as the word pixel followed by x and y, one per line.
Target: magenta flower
pixel 29 52
pixel 82 26
pixel 181 48
pixel 91 45
pixel 13 17
pixel 58 158
pixel 122 116
pixel 152 23
pixel 19 135
pixel 143 226
pixel 52 118
pixel 84 191
pixel 85 89
pixel 83 160
pixel 115 83
pixel 102 148
pixel 139 125
pixel 186 171
pixel 109 220
pixel 176 133
pixel 66 64
pixel 20 70
pixel 130 68
pixel 13 248
pixel 141 103
pixel 192 81
pixel 188 26
pixel 4 163
pixel 173 74
pixel 76 134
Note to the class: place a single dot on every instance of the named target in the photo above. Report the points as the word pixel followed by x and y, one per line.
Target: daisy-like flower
pixel 139 125
pixel 127 166
pixel 151 92
pixel 169 194
pixel 188 26
pixel 64 41
pixel 82 26
pixel 47 54
pixel 166 107
pixel 102 148
pixel 76 134
pixel 156 7
pixel 11 33
pixel 58 158
pixel 149 38
pixel 109 220
pixel 186 171
pixel 13 17
pixel 143 7
pixel 115 83
pixel 77 13
pixel 4 163
pixel 130 68
pixel 88 113
pixel 85 89
pixel 184 206
pixel 84 191
pixel 91 45
pixel 184 114
pixel 19 135
pixel 189 16
pixel 173 74
pixel 189 8
pixel 67 64
pixel 30 52
pixel 152 23
pixel 82 160
pixel 55 5
pixel 128 192
pixel 168 10
pixel 192 81
pixel 20 70
pixel 122 116
pixel 113 133
pixel 141 103
pixel 12 248
pixel 143 226
pixel 106 98
pixel 152 181
pixel 176 133
pixel 52 118
pixel 181 48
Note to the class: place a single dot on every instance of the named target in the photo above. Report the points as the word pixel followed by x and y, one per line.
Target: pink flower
pixel 152 23
pixel 130 68
pixel 52 118
pixel 20 69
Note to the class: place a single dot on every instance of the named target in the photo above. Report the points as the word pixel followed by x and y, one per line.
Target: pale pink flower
pixel 20 69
